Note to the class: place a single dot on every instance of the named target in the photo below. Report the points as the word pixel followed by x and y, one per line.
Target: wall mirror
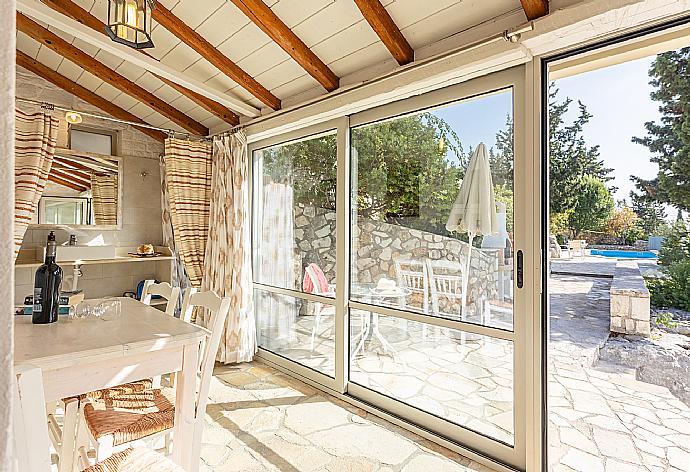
pixel 83 189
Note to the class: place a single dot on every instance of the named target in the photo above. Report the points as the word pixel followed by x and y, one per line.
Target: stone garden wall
pixel 380 244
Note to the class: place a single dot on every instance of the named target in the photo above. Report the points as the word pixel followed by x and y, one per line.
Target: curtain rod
pixel 52 106
pixel 510 35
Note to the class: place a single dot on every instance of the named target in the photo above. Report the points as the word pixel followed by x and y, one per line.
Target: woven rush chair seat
pixel 128 388
pixel 135 460
pixel 131 416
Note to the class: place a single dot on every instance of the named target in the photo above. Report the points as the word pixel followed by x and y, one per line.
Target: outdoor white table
pixel 79 356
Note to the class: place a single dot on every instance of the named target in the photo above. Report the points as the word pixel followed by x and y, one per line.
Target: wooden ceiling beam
pixel 535 8
pixel 77 13
pixel 194 40
pixel 88 63
pixel 70 170
pixel 83 93
pixel 386 29
pixel 66 183
pixel 263 17
pixel 69 178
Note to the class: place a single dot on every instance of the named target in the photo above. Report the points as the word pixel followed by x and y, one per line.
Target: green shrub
pixel 676 245
pixel 672 291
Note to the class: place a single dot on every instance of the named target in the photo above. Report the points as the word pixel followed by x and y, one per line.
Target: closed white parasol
pixel 474 210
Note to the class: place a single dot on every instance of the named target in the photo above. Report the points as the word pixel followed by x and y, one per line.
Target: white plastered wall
pixel 7 71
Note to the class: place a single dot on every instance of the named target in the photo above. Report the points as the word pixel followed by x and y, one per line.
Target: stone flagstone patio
pixel 601 419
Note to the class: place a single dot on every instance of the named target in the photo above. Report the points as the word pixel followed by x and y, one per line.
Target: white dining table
pixel 81 355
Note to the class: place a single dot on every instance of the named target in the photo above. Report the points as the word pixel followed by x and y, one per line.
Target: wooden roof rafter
pixel 83 93
pixel 386 29
pixel 79 14
pixel 535 8
pixel 103 72
pixel 263 17
pixel 194 40
pixel 66 183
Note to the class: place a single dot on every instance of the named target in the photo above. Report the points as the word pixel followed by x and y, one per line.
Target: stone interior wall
pixel 141 198
pixel 379 244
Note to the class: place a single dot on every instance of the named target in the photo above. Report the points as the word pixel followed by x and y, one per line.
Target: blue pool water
pixel 624 254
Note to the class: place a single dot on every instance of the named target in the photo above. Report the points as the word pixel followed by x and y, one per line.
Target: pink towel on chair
pixel 313 274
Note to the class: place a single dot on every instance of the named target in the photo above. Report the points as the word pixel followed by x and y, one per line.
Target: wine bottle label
pixel 37 299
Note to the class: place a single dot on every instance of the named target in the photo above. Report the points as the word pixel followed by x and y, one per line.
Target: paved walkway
pixel 601 418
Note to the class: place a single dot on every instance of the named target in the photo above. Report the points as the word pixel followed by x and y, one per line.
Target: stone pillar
pixel 630 301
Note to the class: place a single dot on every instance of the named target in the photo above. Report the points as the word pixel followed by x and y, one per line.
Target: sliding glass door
pixel 387 247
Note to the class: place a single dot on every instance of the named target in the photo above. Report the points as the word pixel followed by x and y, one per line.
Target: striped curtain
pixel 188 175
pixel 179 276
pixel 104 199
pixel 35 139
pixel 228 265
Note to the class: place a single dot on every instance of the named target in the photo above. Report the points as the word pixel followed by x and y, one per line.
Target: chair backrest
pixel 31 441
pixel 412 274
pixel 445 280
pixel 163 289
pixel 315 280
pixel 218 309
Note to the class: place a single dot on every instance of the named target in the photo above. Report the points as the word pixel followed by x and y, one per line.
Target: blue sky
pixel 617 96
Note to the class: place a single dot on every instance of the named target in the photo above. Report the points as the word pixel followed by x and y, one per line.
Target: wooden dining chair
pixel 31 443
pixel 116 420
pixel 163 289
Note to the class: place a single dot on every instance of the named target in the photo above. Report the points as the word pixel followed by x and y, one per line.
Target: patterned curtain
pixel 35 139
pixel 104 193
pixel 188 176
pixel 228 265
pixel 179 276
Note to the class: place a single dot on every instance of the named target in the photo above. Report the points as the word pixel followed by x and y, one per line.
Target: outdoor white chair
pixel 577 245
pixel 319 286
pixel 31 443
pixel 112 423
pixel 412 275
pixel 164 289
pixel 445 282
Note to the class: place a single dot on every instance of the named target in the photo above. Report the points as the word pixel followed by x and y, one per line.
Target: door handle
pixel 520 269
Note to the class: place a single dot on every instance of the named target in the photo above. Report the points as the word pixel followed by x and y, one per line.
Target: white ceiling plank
pixel 85 46
pixel 194 12
pixel 49 58
pixel 197 113
pixel 167 93
pixel 295 86
pixel 89 81
pixel 212 121
pixel 346 42
pixel 241 44
pixel 108 59
pixel 281 74
pixel 371 55
pixel 130 71
pixel 180 57
pixel 327 22
pixel 156 119
pixel 40 11
pixel 164 41
pixel 201 70
pixel 70 70
pixel 141 110
pixel 184 104
pixel 263 59
pixel 107 91
pixel 27 45
pixel 125 101
pixel 221 25
pixel 293 13
pixel 149 82
pixel 221 81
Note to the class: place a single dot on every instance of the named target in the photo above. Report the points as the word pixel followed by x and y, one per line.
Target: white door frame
pixel 526 203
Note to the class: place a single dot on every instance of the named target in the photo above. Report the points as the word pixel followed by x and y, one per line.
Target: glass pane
pixel 432 223
pixel 463 378
pixel 300 330
pixel 294 214
pixel 86 141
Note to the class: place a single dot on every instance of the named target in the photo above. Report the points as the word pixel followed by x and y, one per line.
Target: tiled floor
pixel 259 419
pixel 463 378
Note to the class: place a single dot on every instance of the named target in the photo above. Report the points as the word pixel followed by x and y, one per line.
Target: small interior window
pixel 92 141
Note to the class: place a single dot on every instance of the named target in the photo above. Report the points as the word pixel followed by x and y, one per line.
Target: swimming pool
pixel 624 254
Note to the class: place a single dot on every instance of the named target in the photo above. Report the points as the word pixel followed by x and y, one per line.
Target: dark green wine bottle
pixel 47 286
